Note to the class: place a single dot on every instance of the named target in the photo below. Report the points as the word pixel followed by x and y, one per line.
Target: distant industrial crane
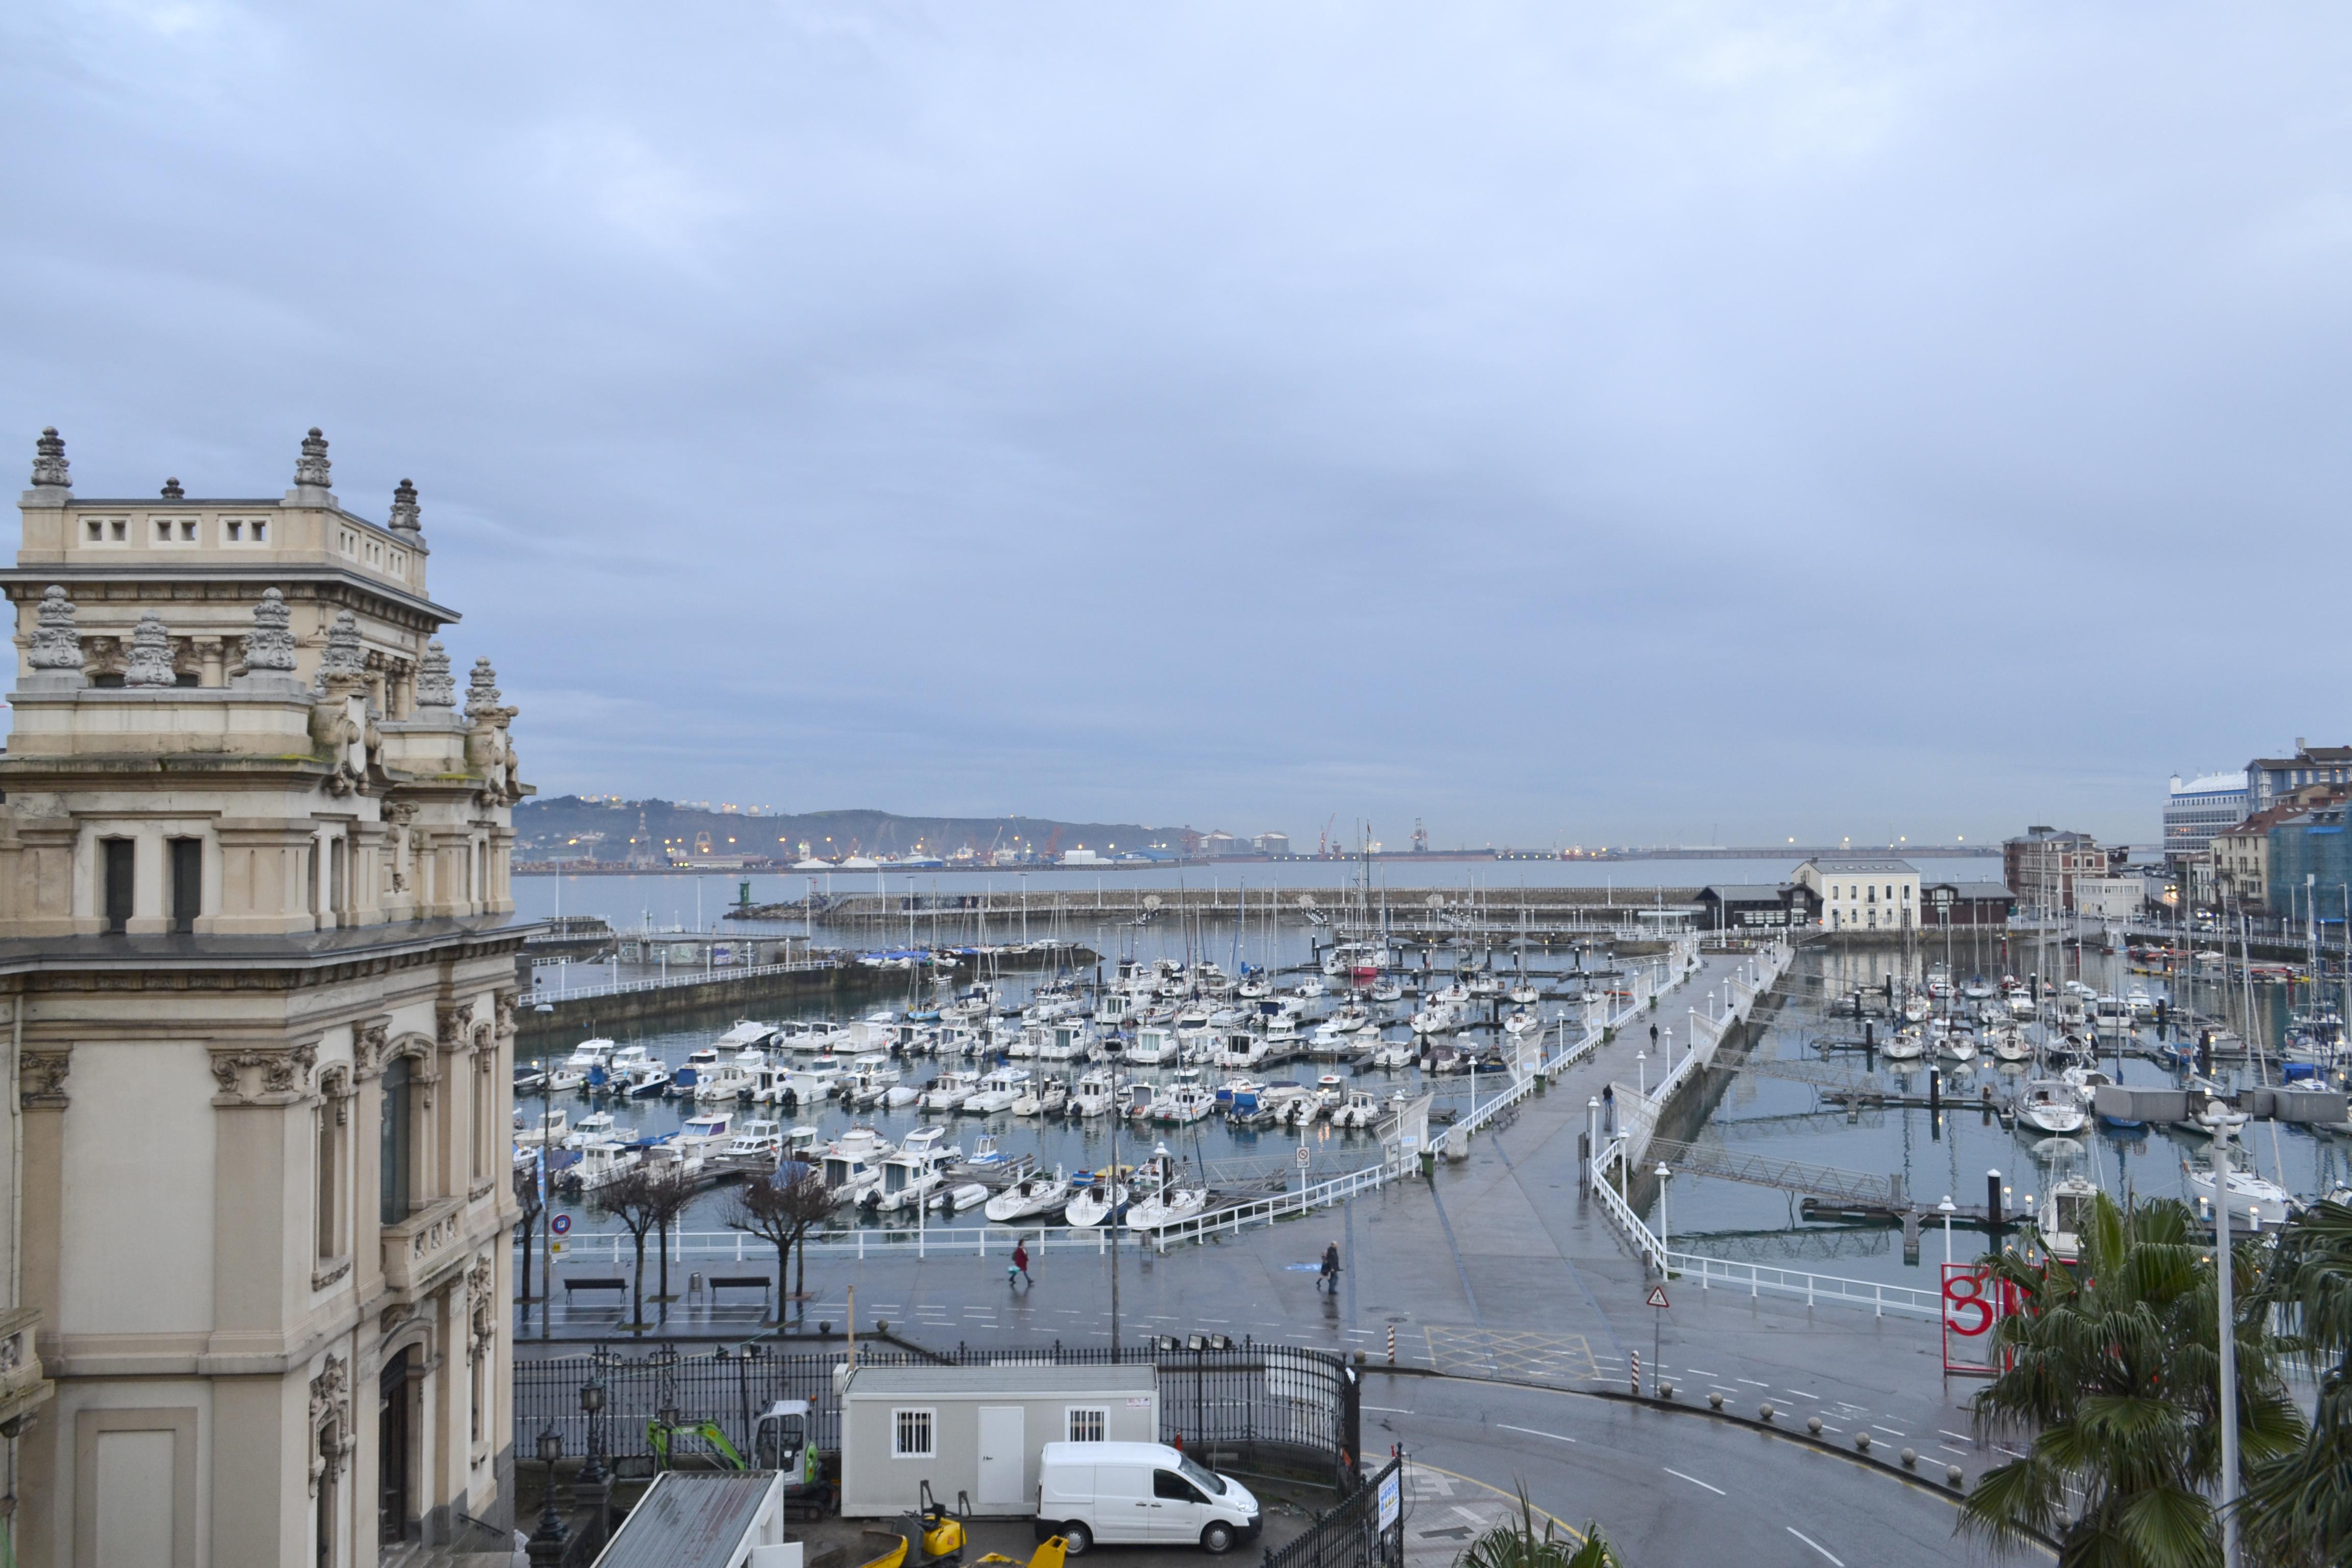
pixel 1323 839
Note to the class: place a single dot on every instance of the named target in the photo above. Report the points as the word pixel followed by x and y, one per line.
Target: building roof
pixel 1744 892
pixel 1011 1377
pixel 1846 865
pixel 2051 835
pixel 691 1519
pixel 1978 890
pixel 2231 782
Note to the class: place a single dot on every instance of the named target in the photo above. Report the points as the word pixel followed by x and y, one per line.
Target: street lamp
pixel 1664 1176
pixel 546 1544
pixel 1948 1209
pixel 592 1405
pixel 1642 1073
pixel 2222 1122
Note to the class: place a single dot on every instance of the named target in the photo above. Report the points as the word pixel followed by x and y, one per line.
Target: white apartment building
pixel 1864 892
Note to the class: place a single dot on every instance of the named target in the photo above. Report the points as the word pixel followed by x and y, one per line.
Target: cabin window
pixel 120 860
pixel 187 893
pixel 1087 1422
pixel 395 1155
pixel 910 1435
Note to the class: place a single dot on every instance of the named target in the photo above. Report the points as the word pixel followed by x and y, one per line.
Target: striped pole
pixel 1637 1372
pixel 1393 1344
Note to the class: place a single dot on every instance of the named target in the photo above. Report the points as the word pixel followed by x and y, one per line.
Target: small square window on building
pixel 910 1435
pixel 1088 1422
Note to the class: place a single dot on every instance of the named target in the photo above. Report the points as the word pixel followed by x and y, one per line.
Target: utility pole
pixel 2223 1123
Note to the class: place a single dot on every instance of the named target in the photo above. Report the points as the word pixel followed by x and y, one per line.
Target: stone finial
pixel 311 468
pixel 436 687
pixel 150 655
pixel 404 507
pixel 482 692
pixel 172 490
pixel 344 654
pixel 55 643
pixel 269 646
pixel 49 459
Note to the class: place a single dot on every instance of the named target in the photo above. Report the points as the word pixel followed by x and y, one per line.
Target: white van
pixel 1141 1492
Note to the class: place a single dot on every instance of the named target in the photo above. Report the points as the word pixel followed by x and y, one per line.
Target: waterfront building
pixel 2119 896
pixel 1862 893
pixel 1274 843
pixel 1966 904
pixel 2040 866
pixel 2311 865
pixel 259 959
pixel 2241 856
pixel 1751 906
pixel 2196 809
pixel 2270 779
pixel 1217 842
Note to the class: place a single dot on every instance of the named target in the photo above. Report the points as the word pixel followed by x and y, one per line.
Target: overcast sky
pixel 1564 424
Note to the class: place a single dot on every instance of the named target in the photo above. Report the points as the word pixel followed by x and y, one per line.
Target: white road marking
pixel 1702 1372
pixel 1696 1481
pixel 1955 1436
pixel 2012 1452
pixel 1392 1410
pixel 1529 1431
pixel 1803 1394
pixel 1814 1544
pixel 1753 1383
pixel 1893 1432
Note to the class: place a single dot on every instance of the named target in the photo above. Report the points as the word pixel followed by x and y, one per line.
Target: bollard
pixel 1992 1199
pixel 1813 1424
pixel 1952 1477
pixel 1764 1410
pixel 1714 1402
pixel 1936 1090
pixel 1862 1441
pixel 1910 1459
pixel 1393 1344
pixel 1637 1372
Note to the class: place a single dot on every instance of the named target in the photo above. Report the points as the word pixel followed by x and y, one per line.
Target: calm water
pixel 1950 1155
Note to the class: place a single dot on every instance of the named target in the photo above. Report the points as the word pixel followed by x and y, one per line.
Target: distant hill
pixel 574 828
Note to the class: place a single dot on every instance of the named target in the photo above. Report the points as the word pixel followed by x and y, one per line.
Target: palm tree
pixel 2110 1365
pixel 2298 1508
pixel 1516 1545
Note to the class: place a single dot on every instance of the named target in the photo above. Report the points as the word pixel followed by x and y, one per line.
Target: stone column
pixel 212 660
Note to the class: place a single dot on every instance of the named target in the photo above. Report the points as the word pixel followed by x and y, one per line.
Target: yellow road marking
pixel 1513 1497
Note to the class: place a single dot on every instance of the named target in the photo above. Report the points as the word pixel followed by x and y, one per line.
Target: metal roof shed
pixel 978 1430
pixel 691 1519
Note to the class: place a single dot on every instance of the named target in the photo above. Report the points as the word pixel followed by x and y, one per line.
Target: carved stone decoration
pixel 331 1420
pixel 49 459
pixel 312 467
pixel 335 1085
pixel 482 693
pixel 481 1308
pixel 453 1022
pixel 270 645
pixel 404 507
pixel 172 490
pixel 150 655
pixel 57 645
pixel 276 1075
pixel 41 1079
pixel 344 658
pixel 370 1038
pixel 507 1002
pixel 399 814
pixel 436 687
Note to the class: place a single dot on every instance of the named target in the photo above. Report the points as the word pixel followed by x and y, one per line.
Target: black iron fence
pixel 1279 1405
pixel 1364 1530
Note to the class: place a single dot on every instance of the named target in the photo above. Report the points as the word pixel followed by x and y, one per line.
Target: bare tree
pixel 672 1189
pixel 639 1202
pixel 526 1191
pixel 782 1210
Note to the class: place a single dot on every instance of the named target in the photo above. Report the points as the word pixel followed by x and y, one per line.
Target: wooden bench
pixel 759 1282
pixel 572 1287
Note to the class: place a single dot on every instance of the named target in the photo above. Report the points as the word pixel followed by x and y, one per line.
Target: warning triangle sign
pixel 1657 1294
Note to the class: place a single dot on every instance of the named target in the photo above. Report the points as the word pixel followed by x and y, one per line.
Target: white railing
pixel 1758 1277
pixel 1266 1210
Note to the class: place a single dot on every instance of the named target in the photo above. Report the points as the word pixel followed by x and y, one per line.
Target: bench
pixel 572 1287
pixel 759 1282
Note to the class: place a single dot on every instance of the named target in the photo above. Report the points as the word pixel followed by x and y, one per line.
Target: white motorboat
pixel 2051 1106
pixel 910 1177
pixel 985 1155
pixel 756 1146
pixel 996 1092
pixel 603 1162
pixel 961 1198
pixel 949 1091
pixel 853 1163
pixel 2251 1197
pixel 564 1078
pixel 551 1128
pixel 1176 1104
pixel 594 1127
pixel 747 1035
pixel 2066 1215
pixel 1031 1197
pixel 1154 1047
pixel 1094 1095
pixel 727 1080
pixel 1361 1111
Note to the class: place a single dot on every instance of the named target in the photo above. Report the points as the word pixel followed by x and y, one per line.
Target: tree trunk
pixel 800 1292
pixel 783 1279
pixel 665 1297
pixel 530 1229
pixel 637 1288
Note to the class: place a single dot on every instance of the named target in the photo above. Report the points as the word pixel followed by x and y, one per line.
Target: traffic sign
pixel 1657 1294
pixel 561 1224
pixel 1303 1156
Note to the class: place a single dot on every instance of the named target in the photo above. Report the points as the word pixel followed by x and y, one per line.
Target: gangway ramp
pixel 1854 1188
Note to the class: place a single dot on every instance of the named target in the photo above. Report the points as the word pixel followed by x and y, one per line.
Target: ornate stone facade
pixel 279 784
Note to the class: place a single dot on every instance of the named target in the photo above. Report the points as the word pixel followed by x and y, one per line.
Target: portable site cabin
pixel 978 1430
pixel 695 1519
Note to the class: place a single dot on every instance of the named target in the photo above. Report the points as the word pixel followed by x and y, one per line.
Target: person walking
pixel 1609 1109
pixel 1329 1277
pixel 1020 1264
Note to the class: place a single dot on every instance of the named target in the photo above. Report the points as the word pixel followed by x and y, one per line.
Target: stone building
pixel 257 955
pixel 1861 893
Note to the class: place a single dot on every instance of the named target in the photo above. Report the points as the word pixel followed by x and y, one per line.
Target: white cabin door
pixel 1004 1460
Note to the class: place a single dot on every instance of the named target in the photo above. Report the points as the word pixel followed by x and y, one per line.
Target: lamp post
pixel 1948 1209
pixel 593 1489
pixel 2222 1123
pixel 546 1544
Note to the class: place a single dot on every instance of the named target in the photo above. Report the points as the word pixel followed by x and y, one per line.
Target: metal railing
pixel 540 993
pixel 1787 1175
pixel 1365 1530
